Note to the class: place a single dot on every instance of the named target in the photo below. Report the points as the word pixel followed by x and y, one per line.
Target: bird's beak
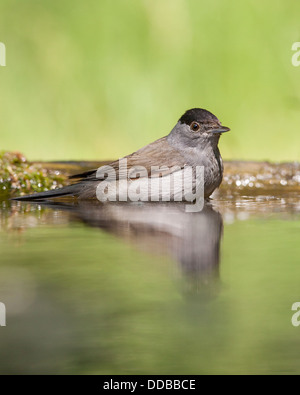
pixel 219 130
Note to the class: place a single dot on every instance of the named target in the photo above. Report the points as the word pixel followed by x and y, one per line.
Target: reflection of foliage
pixel 17 218
pixel 18 176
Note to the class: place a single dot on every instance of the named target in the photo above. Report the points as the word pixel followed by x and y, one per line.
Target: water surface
pixel 149 288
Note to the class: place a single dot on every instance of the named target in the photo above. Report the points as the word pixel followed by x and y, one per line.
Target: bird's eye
pixel 195 126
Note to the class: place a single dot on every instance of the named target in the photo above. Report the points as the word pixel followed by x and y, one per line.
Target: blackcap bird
pixel 192 143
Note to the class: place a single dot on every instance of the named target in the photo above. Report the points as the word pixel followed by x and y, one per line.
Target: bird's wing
pixel 157 159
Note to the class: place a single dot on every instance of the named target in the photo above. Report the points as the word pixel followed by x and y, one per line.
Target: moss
pixel 20 177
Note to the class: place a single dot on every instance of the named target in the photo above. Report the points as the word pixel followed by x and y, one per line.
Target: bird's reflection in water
pixel 192 239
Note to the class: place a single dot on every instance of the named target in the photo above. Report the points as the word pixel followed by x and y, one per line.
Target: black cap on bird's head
pixel 197 117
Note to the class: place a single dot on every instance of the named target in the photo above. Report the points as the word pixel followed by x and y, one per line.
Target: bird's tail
pixel 71 190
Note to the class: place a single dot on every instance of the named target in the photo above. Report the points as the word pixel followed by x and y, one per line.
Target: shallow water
pixel 149 288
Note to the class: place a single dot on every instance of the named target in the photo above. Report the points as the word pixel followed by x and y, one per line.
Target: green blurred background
pixel 100 79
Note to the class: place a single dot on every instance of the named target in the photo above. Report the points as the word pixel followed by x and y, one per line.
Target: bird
pixel 193 142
